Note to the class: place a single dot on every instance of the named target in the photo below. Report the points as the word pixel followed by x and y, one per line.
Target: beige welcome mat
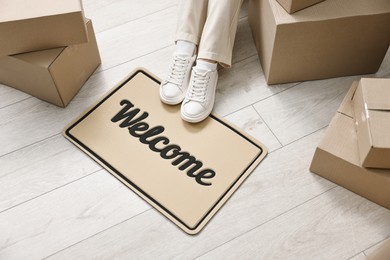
pixel 186 171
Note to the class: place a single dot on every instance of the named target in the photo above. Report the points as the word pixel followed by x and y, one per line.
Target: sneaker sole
pixel 197 119
pixel 171 101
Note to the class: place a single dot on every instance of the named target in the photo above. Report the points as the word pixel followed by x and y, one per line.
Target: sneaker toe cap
pixel 170 91
pixel 193 109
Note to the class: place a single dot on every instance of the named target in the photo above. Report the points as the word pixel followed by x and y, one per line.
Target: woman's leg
pixel 216 46
pixel 219 31
pixel 191 19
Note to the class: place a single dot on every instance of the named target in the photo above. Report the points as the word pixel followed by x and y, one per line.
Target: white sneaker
pixel 173 89
pixel 199 101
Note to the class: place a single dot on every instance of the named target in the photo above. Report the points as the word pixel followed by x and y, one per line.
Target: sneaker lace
pixel 177 71
pixel 197 91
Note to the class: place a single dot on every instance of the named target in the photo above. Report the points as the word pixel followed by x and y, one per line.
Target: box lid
pixel 331 9
pixel 376 93
pixel 376 98
pixel 13 10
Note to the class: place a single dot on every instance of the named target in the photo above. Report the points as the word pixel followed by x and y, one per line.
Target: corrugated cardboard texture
pixel 337 159
pixel 144 167
pixel 53 75
pixel 291 6
pixel 330 39
pixel 372 115
pixel 42 24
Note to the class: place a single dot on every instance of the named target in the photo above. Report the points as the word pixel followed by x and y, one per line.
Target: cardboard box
pixel 54 75
pixel 331 39
pixel 291 6
pixel 337 158
pixel 371 104
pixel 27 25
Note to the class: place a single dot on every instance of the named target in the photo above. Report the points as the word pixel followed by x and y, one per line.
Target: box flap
pixel 346 105
pixel 342 144
pixel 13 10
pixel 376 93
pixel 330 9
pixel 75 65
pixel 40 58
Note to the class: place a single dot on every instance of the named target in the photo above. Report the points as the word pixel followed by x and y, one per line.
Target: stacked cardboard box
pixel 330 39
pixel 338 157
pixel 48 48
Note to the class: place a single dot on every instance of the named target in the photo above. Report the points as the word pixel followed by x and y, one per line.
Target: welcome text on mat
pixel 140 129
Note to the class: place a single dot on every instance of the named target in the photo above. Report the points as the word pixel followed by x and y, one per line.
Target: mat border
pixel 100 160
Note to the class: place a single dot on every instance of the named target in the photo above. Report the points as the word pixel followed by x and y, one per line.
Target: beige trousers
pixel 211 25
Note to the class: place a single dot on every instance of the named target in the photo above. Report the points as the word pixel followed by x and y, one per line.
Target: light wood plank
pixel 248 120
pixel 244 46
pixel 335 225
pixel 108 14
pixel 138 38
pixel 65 216
pixel 40 168
pixel 279 184
pixel 8 96
pixel 304 108
pixel 243 85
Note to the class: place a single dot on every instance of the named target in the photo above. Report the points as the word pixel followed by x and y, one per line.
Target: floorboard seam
pixel 377 243
pixel 16 101
pixel 46 192
pixel 354 255
pixel 319 129
pixel 136 19
pixel 257 112
pixel 31 144
pixel 101 231
pixel 262 99
pixel 271 219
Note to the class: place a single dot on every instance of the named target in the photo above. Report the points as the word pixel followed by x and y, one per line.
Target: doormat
pixel 186 171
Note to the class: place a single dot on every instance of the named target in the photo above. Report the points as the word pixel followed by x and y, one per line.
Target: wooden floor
pixel 56 203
